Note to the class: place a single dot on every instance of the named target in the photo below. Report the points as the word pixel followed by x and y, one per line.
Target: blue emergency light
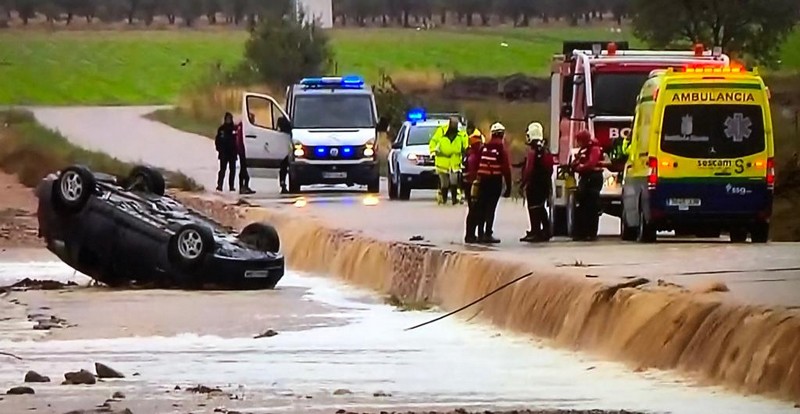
pixel 416 115
pixel 349 81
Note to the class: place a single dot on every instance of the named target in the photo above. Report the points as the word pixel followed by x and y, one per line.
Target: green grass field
pixel 145 67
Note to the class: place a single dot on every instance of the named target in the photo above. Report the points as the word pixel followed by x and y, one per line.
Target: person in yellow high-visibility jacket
pixel 448 146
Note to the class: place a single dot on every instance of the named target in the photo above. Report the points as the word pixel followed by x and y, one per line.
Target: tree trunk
pixel 212 18
pixel 89 18
pixel 171 18
pixel 69 18
pixel 469 20
pixel 384 21
pixel 526 20
pixel 130 17
pixel 405 18
pixel 485 19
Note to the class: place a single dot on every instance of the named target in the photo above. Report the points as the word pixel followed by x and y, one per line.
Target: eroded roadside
pixel 750 349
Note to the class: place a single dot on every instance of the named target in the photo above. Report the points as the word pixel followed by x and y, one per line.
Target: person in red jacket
pixel 494 168
pixel 536 183
pixel 244 176
pixel 472 163
pixel 588 163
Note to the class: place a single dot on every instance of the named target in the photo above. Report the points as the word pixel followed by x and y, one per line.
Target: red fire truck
pixel 594 86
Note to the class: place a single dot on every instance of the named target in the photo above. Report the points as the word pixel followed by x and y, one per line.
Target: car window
pixel 713 131
pixel 398 139
pixel 420 135
pixel 333 111
pixel 615 94
pixel 264 112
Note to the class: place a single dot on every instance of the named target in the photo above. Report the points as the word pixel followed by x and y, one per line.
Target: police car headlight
pixel 412 157
pixel 298 150
pixel 368 152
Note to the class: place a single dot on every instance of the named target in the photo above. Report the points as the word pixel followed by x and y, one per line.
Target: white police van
pixel 411 166
pixel 328 132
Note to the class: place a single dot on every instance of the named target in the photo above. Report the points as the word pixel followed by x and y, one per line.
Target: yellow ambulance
pixel 701 159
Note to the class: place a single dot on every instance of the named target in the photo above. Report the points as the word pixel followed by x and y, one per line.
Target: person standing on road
pixel 447 146
pixel 471 164
pixel 226 150
pixel 494 168
pixel 588 164
pixel 244 176
pixel 537 183
pixel 474 135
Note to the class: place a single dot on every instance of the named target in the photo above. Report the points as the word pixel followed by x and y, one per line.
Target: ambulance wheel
pixel 560 221
pixel 646 232
pixel 627 232
pixel 759 233
pixel 738 235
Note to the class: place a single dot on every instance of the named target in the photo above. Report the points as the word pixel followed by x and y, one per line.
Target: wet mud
pixel 750 349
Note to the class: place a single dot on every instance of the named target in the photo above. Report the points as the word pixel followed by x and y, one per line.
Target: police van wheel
pixel 646 233
pixel 738 235
pixel 627 232
pixel 294 186
pixel 374 187
pixel 759 233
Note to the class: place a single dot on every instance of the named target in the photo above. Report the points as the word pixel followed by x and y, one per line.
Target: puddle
pixel 444 365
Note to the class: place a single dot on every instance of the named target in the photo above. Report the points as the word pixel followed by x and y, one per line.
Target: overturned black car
pixel 125 230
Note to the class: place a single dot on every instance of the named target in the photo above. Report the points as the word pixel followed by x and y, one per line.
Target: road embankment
pixel 749 349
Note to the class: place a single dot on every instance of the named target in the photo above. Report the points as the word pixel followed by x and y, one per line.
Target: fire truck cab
pixel 594 87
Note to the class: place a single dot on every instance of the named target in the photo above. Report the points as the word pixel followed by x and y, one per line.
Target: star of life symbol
pixel 737 127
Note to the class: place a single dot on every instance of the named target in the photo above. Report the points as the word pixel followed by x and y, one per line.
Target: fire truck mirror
pixel 566 110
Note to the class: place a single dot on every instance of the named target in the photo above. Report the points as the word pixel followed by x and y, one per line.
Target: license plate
pixel 684 203
pixel 334 175
pixel 256 274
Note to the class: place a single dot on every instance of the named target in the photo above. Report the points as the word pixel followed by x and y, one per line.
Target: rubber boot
pixel 454 194
pixel 544 219
pixel 530 236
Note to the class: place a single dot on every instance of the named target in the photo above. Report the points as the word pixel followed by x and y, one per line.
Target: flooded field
pixel 335 348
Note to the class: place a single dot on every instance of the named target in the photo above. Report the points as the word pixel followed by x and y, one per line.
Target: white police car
pixel 327 133
pixel 411 166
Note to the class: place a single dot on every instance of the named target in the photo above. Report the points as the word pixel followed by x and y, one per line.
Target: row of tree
pixel 756 28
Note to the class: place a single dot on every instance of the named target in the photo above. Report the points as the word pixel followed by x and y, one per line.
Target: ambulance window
pixel 713 131
pixel 645 121
pixel 615 94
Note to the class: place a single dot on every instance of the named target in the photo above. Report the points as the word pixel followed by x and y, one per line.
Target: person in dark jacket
pixel 471 165
pixel 494 169
pixel 226 150
pixel 537 184
pixel 589 165
pixel 244 175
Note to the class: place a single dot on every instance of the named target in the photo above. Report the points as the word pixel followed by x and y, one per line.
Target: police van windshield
pixel 333 111
pixel 615 94
pixel 713 131
pixel 420 135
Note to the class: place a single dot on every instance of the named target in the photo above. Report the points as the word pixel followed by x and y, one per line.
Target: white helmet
pixel 535 133
pixel 497 127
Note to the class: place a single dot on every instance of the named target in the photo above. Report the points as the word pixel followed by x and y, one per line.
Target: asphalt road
pixel 761 274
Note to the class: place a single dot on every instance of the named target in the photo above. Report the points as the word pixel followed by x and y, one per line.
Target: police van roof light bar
pixel 349 81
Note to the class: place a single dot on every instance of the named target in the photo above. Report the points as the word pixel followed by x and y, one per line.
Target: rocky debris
pixel 269 333
pixel 48 322
pixel 104 371
pixel 381 394
pixel 211 392
pixel 20 391
pixel 225 411
pixel 342 391
pixel 33 376
pixel 104 410
pixel 80 377
pixel 118 395
pixel 35 284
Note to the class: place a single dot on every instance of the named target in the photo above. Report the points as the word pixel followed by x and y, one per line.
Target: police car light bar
pixel 416 115
pixel 350 81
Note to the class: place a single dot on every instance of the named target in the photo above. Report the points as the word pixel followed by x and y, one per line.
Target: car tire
pixel 738 235
pixel 403 189
pixel 627 233
pixel 392 188
pixel 759 232
pixel 73 188
pixel 189 246
pixel 374 187
pixel 261 237
pixel 147 179
pixel 646 232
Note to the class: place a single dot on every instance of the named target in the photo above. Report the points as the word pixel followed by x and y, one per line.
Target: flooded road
pixel 329 338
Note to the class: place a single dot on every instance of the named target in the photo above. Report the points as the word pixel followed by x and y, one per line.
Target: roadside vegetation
pixel 31 151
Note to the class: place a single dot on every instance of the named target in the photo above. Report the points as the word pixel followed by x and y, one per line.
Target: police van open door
pixel 266 128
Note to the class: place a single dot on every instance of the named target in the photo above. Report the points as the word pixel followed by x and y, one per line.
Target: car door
pixel 267 141
pixel 394 152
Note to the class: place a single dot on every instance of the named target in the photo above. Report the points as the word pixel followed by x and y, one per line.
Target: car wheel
pixel 189 245
pixel 73 187
pixel 374 187
pixel 738 235
pixel 646 233
pixel 392 188
pixel 144 178
pixel 759 233
pixel 403 189
pixel 262 237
